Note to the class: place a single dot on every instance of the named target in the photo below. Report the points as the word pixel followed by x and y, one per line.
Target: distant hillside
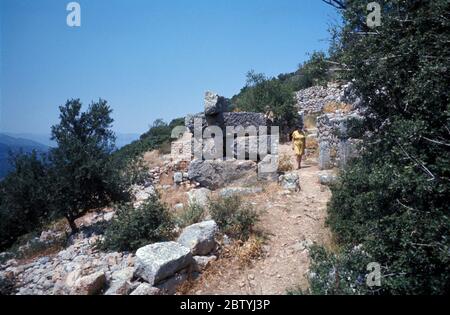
pixel 122 139
pixel 11 144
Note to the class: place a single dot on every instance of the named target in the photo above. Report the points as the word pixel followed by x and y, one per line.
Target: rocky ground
pixel 291 221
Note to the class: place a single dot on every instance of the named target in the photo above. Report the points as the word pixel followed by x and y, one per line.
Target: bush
pixel 343 273
pixel 134 228
pixel 394 199
pixel 24 198
pixel 194 213
pixel 7 285
pixel 234 218
pixel 157 137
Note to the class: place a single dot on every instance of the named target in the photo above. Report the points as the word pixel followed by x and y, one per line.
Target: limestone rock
pixel 90 285
pixel 199 196
pixel 146 289
pixel 199 238
pixel 290 181
pixel 327 179
pixel 178 177
pixel 202 262
pixel 159 261
pixel 214 104
pixel 216 174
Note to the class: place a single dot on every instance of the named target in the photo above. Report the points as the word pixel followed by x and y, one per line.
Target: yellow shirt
pixel 299 142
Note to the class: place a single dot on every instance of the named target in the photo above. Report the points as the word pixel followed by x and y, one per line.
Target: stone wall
pixel 313 100
pixel 216 114
pixel 336 146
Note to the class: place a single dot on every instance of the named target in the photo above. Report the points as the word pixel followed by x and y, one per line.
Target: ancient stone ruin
pixel 225 146
pixel 332 113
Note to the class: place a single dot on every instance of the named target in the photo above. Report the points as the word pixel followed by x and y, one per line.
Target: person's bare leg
pixel 299 161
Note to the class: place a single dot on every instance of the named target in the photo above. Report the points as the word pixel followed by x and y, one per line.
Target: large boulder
pixel 199 238
pixel 159 261
pixel 217 174
pixel 215 104
pixel 290 181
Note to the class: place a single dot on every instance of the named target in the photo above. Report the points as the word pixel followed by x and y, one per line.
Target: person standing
pixel 299 144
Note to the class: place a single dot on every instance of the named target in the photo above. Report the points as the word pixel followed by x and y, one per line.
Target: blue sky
pixel 148 58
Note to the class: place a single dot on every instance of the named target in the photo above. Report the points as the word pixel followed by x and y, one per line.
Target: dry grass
pixel 312 147
pixel 153 159
pixel 238 255
pixel 333 107
pixel 173 196
pixel 249 251
pixel 285 163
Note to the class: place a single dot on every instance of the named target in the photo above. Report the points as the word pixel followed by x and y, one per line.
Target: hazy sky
pixel 148 58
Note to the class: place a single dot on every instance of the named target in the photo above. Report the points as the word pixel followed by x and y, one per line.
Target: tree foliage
pixel 83 173
pixel 394 199
pixel 157 137
pixel 23 197
pixel 134 228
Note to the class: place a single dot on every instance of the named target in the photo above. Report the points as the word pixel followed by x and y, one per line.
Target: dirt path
pixel 290 221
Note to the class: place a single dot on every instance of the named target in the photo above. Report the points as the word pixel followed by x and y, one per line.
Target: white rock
pixel 199 237
pixel 159 261
pixel 146 289
pixel 202 262
pixel 90 285
pixel 199 196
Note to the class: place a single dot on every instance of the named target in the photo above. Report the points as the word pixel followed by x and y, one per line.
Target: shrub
pixel 134 228
pixel 394 199
pixel 234 218
pixel 24 198
pixel 7 285
pixel 194 213
pixel 343 273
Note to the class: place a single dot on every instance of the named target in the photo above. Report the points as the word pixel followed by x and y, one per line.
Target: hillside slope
pixel 10 144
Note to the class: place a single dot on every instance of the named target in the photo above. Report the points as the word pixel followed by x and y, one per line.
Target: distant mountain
pixel 122 138
pixel 12 144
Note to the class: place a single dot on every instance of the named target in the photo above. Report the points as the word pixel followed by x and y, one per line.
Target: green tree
pixel 23 197
pixel 83 173
pixel 393 201
pixel 261 94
